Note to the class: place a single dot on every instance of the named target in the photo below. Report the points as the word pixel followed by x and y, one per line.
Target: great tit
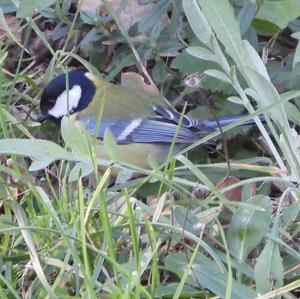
pixel 141 126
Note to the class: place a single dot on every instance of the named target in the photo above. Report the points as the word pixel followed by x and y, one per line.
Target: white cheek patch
pixel 61 105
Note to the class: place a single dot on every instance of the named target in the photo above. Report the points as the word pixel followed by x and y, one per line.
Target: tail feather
pixel 224 121
pixel 203 125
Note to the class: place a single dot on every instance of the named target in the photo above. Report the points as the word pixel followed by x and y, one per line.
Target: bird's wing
pixel 175 117
pixel 143 130
pixel 158 129
pixel 206 125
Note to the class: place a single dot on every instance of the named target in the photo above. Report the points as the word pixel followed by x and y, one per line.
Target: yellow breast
pixel 136 154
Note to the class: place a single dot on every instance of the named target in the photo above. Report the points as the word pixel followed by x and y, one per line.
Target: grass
pixel 151 236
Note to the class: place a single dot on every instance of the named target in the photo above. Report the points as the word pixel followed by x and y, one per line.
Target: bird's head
pixel 57 101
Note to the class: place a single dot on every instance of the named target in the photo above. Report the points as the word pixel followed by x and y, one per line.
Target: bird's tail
pixel 202 125
pixel 212 124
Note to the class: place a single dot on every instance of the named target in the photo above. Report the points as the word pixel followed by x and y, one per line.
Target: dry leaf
pixel 90 5
pixel 12 22
pixel 129 15
pixel 236 193
pixel 233 194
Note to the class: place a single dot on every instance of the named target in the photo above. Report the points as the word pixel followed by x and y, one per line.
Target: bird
pixel 141 126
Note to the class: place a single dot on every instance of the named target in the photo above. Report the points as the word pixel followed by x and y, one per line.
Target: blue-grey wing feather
pixel 159 129
pixel 174 116
pixel 202 125
pixel 153 130
pixel 147 130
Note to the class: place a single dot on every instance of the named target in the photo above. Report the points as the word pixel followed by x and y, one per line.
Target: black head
pixel 54 102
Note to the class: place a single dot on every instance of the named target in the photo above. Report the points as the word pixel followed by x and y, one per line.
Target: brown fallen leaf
pixel 12 23
pixel 233 194
pixel 236 193
pixel 132 13
pixel 37 48
pixel 89 5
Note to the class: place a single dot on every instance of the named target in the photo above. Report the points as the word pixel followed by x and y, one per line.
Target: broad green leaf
pixel 197 20
pixel 251 36
pixel 215 85
pixel 153 16
pixel 290 214
pixel 159 72
pixel 296 55
pixel 220 16
pixel 266 93
pixel 218 75
pixel 253 60
pixel 265 28
pixel 279 13
pixel 241 268
pixel 269 269
pixel 246 16
pixel 297 51
pixel 292 113
pixel 28 8
pixel 110 146
pixel 74 137
pixel 124 175
pixel 235 100
pixel 209 274
pixel 289 95
pixel 188 64
pixel 186 219
pixel 89 16
pixel 286 77
pixel 40 163
pixel 8 6
pixel 248 227
pixel 202 53
pixel 42 152
pixel 82 168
